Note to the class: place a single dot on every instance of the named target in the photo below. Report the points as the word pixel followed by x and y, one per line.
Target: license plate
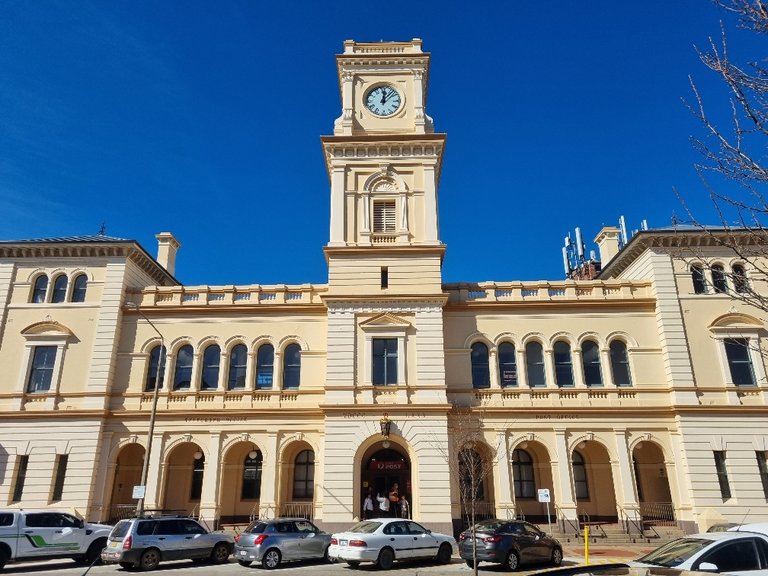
pixel 342 542
pixel 114 545
pixel 243 552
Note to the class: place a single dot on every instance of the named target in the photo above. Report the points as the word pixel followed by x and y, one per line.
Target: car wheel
pixel 386 559
pixel 353 563
pixel 3 557
pixel 444 554
pixel 271 559
pixel 512 562
pixel 220 553
pixel 149 559
pixel 326 555
pixel 245 563
pixel 557 556
pixel 471 563
pixel 93 556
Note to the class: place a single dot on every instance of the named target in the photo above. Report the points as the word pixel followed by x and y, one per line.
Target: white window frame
pixel 753 337
pixel 34 341
pixel 389 221
pixel 397 332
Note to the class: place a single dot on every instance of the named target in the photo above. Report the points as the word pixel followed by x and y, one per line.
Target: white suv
pixel 43 535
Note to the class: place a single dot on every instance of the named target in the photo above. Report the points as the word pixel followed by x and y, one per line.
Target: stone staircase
pixel 606 534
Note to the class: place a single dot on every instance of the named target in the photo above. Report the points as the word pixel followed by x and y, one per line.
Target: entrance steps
pixel 608 534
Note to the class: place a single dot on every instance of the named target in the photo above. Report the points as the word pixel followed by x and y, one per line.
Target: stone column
pixel 561 473
pixel 209 508
pixel 269 478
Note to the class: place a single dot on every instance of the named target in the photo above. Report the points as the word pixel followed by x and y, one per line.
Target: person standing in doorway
pixel 394 499
pixel 383 505
pixel 368 505
pixel 405 507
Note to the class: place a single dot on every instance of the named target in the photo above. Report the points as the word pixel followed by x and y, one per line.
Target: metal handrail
pixel 658 513
pixel 629 522
pixel 562 521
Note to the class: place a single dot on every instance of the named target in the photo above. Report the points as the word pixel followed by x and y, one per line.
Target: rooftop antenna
pixel 103 229
pixel 623 228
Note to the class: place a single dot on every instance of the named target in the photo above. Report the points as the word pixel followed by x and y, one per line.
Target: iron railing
pixel 657 514
pixel 297 509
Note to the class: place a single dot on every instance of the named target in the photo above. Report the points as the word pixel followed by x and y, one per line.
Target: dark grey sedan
pixel 511 543
pixel 281 540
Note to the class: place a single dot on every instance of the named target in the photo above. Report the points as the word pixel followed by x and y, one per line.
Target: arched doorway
pixel 593 483
pixel 128 466
pixel 184 479
pixel 531 471
pixel 240 488
pixel 382 469
pixel 652 485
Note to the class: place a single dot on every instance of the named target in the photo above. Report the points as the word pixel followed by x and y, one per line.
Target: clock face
pixel 383 100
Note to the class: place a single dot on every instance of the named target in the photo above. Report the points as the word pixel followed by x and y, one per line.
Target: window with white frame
pixel 739 361
pixel 43 357
pixel 383 361
pixel 739 349
pixel 41 369
pixel 384 216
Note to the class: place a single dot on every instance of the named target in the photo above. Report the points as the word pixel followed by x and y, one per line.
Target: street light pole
pixel 153 412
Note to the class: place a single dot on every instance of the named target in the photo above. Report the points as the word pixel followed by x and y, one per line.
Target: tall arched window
pixel 740 284
pixel 238 363
pixel 291 367
pixel 59 289
pixel 41 287
pixel 522 473
pixel 590 356
pixel 79 287
pixel 196 486
pixel 252 477
pixel 182 378
pixel 154 362
pixel 620 364
pixel 265 366
pixel 304 475
pixel 718 279
pixel 534 363
pixel 563 364
pixel 481 376
pixel 507 365
pixel 211 362
pixel 580 477
pixel 697 277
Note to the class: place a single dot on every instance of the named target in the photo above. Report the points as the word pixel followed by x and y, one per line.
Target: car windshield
pixel 676 552
pixel 367 527
pixel 256 527
pixel 121 529
pixel 489 526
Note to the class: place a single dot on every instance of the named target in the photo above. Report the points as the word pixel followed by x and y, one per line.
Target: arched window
pixel 41 287
pixel 740 284
pixel 563 364
pixel 534 362
pixel 580 477
pixel 718 279
pixel 697 277
pixel 522 473
pixel 291 366
pixel 590 356
pixel 252 477
pixel 265 366
pixel 79 287
pixel 238 363
pixel 196 486
pixel 507 365
pixel 211 362
pixel 59 289
pixel 182 379
pixel 620 364
pixel 481 376
pixel 154 362
pixel 471 475
pixel 304 475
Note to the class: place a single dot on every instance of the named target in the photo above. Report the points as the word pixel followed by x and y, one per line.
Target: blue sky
pixel 204 119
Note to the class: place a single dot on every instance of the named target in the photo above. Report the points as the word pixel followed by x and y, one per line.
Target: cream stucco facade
pixel 617 394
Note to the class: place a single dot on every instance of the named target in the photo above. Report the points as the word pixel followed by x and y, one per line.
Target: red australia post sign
pixel 387 465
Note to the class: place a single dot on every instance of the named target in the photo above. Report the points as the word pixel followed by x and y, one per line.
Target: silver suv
pixel 281 539
pixel 144 542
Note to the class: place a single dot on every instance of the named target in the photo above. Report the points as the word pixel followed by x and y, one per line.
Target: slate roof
pixel 65 239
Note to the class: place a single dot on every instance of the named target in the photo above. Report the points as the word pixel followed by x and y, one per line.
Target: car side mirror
pixel 80 523
pixel 708 567
pixel 427 531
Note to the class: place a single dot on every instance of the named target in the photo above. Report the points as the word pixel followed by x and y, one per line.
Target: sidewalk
pixel 601 554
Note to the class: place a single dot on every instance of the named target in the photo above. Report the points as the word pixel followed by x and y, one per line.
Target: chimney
pixel 608 242
pixel 167 246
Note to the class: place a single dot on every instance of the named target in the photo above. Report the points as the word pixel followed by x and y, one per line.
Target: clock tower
pixel 385 346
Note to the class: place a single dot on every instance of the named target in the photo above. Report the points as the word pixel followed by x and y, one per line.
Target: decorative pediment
pixel 735 321
pixel 386 320
pixel 47 327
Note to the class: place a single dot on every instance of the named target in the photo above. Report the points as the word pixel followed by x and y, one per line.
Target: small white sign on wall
pixel 138 492
pixel 543 494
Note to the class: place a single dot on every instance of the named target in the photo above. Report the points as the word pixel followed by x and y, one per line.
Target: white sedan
pixel 384 540
pixel 742 553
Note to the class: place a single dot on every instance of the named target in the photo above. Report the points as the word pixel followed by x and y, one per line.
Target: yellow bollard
pixel 586 545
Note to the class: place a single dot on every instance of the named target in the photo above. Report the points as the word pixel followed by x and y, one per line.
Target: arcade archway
pixel 382 468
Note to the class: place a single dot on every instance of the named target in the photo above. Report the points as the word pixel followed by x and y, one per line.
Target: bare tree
pixel 471 460
pixel 734 167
